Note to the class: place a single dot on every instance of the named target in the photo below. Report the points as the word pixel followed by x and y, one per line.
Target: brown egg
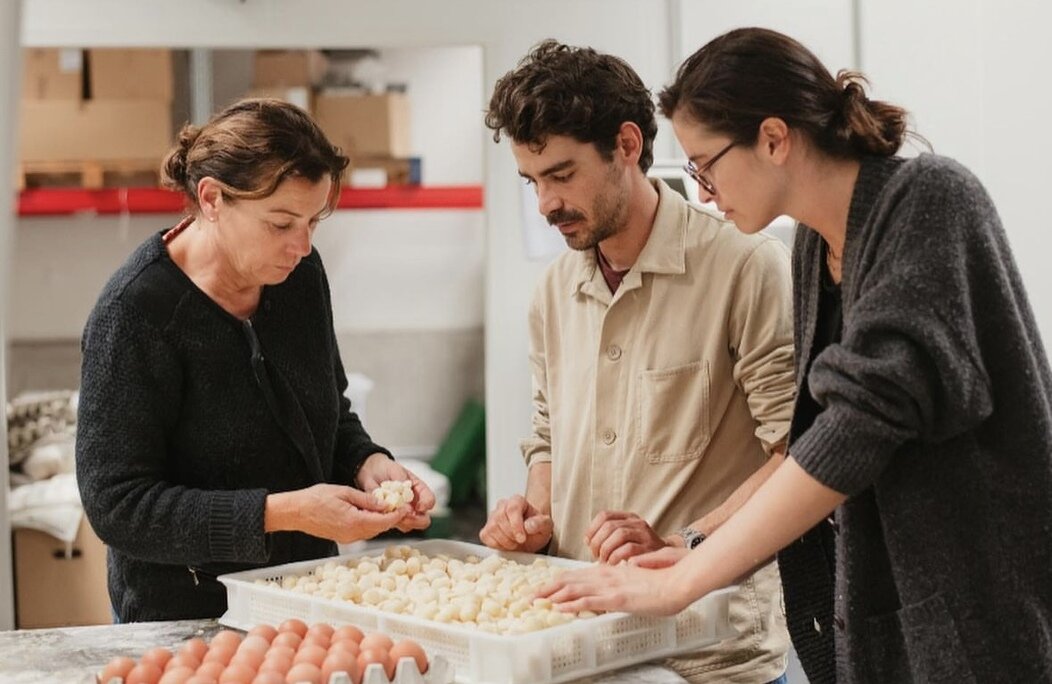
pixel 250 660
pixel 269 678
pixel 181 659
pixel 348 632
pixel 409 649
pixel 265 631
pixel 195 647
pixel 219 653
pixel 211 669
pixel 254 642
pixel 290 639
pixel 226 637
pixel 321 629
pixel 299 627
pixel 310 654
pixel 279 661
pixel 157 656
pixel 376 640
pixel 143 673
pixel 237 674
pixel 315 640
pixel 346 645
pixel 276 651
pixel 198 679
pixel 340 661
pixel 118 667
pixel 176 675
pixel 379 656
pixel 304 672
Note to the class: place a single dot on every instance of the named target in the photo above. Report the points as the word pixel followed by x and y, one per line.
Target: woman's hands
pixel 343 514
pixel 379 468
pixel 624 587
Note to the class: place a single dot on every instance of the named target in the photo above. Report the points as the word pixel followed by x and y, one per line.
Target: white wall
pixel 824 26
pixel 10 80
pixel 389 270
pixel 445 94
pixel 973 72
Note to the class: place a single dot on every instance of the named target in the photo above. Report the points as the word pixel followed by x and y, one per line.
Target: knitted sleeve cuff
pixel 235 526
pixel 843 450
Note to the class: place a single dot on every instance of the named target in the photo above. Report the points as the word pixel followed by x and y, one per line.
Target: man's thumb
pixel 537 524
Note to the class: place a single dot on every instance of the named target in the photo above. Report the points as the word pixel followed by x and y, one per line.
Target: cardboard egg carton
pixel 439 671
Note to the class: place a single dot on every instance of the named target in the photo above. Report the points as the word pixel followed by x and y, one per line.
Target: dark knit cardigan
pixel 936 419
pixel 189 417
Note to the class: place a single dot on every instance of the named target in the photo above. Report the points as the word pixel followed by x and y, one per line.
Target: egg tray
pixel 438 672
pixel 577 649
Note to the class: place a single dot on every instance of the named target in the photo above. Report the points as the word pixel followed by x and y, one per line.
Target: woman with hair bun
pixel 213 432
pixel 912 518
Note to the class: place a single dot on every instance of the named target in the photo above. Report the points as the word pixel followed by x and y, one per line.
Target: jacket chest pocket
pixel 673 413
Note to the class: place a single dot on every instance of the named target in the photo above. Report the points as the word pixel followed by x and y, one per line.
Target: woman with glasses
pixel 213 431
pixel 913 517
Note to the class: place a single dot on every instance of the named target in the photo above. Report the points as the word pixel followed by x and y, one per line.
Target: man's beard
pixel 609 218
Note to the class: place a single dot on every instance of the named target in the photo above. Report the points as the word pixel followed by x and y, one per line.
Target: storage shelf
pixel 61 201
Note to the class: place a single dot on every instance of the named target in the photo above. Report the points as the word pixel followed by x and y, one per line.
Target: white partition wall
pixel 973 72
pixel 10 78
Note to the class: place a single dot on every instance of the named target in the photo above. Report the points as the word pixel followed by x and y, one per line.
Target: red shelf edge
pixel 62 201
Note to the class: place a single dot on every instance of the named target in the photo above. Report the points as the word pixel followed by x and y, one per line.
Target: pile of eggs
pixel 494 595
pixel 394 494
pixel 290 654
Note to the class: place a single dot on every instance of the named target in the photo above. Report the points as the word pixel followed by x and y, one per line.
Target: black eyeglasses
pixel 699 174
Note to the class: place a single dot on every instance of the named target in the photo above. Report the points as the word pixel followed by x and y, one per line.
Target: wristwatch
pixel 691 537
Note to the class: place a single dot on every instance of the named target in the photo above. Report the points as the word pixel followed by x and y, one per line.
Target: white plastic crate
pixel 557 654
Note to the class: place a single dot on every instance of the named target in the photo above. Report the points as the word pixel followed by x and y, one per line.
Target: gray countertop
pixel 72 655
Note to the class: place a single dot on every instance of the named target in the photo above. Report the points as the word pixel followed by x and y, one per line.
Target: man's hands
pixel 615 536
pixel 517 525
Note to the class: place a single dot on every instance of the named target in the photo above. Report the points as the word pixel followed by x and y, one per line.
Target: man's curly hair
pixel 562 90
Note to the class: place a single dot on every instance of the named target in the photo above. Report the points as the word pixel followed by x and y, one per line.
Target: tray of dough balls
pixel 473 607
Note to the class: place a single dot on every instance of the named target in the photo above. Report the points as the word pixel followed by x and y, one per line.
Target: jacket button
pixel 833 523
pixel 614 352
pixel 609 436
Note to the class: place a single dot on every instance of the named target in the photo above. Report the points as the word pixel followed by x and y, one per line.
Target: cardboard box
pixel 98 130
pixel 365 125
pixel 287 68
pixel 52 74
pixel 378 172
pixel 301 96
pixel 56 590
pixel 130 74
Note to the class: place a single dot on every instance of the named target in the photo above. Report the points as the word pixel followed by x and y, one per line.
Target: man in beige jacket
pixel 660 347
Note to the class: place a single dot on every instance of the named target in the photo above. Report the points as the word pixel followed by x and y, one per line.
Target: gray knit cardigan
pixel 936 420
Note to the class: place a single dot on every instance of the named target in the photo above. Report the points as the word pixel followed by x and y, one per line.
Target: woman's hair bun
pixel 175 171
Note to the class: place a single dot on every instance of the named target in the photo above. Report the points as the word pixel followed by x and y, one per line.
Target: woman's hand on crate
pixel 517 525
pixel 622 587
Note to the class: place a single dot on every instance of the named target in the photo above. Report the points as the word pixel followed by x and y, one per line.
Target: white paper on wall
pixel 541 241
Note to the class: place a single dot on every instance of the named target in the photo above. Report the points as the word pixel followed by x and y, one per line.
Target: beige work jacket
pixel 663 398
